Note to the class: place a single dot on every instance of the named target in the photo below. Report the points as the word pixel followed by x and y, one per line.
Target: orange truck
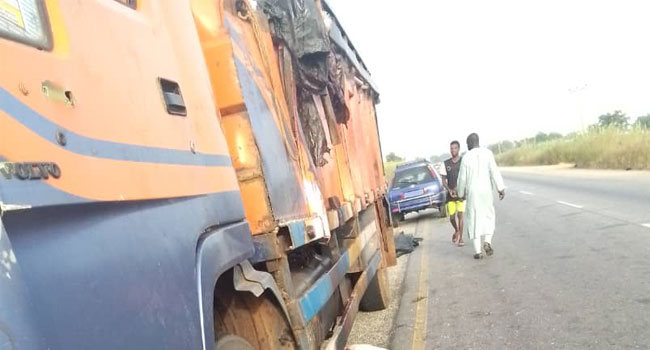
pixel 196 174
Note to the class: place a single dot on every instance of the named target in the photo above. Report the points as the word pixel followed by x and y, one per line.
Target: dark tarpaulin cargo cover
pixel 322 57
pixel 299 24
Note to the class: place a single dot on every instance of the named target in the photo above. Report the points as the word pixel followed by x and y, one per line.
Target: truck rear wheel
pixel 377 296
pixel 232 342
pixel 242 319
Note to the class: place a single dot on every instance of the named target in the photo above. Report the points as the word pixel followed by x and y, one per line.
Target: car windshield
pixel 412 176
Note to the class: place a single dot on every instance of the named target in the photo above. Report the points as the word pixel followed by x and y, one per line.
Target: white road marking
pixel 570 204
pixel 646 225
pixel 527 193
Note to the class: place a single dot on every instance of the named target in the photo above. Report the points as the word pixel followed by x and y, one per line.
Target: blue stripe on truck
pixel 298 232
pixel 97 148
pixel 320 292
pixel 315 297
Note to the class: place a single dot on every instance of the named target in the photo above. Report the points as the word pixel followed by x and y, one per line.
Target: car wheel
pixel 395 220
pixel 443 210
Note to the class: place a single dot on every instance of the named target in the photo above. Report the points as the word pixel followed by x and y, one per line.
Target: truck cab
pixel 115 178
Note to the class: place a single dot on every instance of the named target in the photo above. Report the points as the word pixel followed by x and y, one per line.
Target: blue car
pixel 416 186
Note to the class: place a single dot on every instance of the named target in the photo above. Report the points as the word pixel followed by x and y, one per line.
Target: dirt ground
pixel 375 328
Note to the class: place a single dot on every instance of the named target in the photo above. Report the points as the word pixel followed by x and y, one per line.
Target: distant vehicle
pixel 416 186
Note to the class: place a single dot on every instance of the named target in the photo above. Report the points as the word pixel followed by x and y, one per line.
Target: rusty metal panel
pixel 363 143
pixel 249 73
pixel 283 185
pixel 246 160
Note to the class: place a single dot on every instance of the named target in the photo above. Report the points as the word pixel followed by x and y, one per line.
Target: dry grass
pixel 602 149
pixel 389 168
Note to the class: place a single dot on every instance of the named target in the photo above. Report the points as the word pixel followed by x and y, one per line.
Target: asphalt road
pixel 571 270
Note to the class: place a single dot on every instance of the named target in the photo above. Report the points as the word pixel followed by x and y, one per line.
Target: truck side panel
pixel 284 188
pixel 261 73
pixel 244 89
pixel 269 120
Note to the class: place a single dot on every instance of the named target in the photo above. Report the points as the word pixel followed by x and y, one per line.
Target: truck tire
pixel 240 318
pixel 232 342
pixel 377 294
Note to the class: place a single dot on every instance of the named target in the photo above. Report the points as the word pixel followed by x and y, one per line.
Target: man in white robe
pixel 477 178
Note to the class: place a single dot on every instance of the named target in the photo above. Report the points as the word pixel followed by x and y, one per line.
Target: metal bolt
pixel 192 147
pixel 311 232
pixel 69 98
pixel 60 138
pixel 23 89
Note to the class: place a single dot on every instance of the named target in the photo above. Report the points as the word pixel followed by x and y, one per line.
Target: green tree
pixel 541 137
pixel 594 128
pixel 617 119
pixel 643 122
pixel 392 157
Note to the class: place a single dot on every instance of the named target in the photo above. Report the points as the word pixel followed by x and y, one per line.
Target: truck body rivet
pixel 23 89
pixel 60 138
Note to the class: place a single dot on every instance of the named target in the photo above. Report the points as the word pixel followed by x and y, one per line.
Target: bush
pixel 642 122
pixel 389 169
pixel 605 148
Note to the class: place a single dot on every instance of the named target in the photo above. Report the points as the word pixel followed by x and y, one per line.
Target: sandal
pixel 488 249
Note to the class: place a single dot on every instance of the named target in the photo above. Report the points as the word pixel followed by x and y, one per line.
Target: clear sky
pixel 502 68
